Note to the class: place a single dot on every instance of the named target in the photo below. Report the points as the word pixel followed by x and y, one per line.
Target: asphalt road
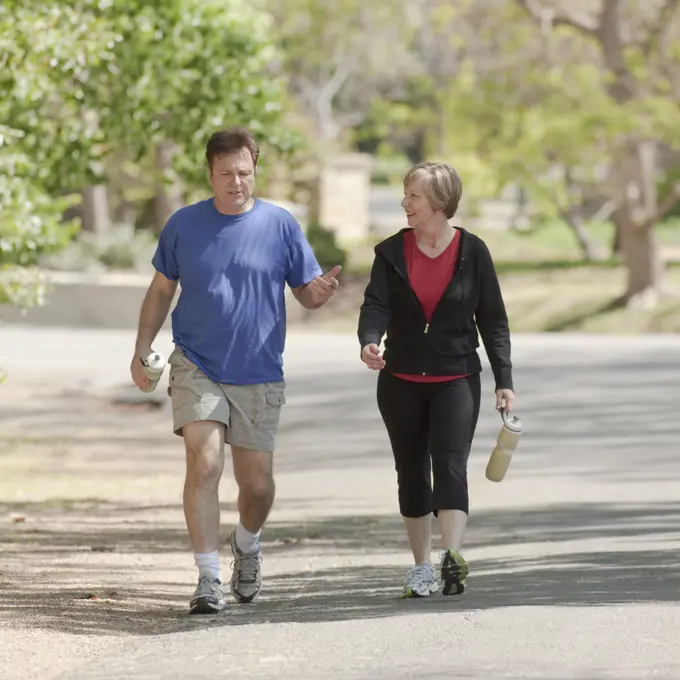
pixel 575 556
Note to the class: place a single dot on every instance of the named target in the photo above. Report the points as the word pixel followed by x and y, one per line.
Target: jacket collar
pixel 392 248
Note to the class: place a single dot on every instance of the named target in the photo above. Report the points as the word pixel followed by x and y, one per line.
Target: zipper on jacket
pixel 427 328
pixel 460 264
pixel 457 271
pixel 415 299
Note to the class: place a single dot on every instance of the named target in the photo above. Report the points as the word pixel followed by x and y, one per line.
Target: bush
pixel 31 225
pixel 328 252
pixel 122 248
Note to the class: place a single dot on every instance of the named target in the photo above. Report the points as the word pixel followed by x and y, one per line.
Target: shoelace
pixel 421 573
pixel 206 586
pixel 247 566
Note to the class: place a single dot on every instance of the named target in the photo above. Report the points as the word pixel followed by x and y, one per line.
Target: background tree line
pixel 106 105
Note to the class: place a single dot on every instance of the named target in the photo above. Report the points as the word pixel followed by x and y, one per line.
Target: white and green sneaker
pixel 421 581
pixel 454 571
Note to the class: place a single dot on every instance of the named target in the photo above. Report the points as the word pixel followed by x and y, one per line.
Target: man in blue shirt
pixel 233 255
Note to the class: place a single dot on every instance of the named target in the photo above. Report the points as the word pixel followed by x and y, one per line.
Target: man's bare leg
pixel 204 443
pixel 253 471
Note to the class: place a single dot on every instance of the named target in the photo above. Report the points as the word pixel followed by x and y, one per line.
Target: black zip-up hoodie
pixel 447 345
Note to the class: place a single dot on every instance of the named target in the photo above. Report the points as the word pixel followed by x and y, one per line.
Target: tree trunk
pixel 415 146
pixel 94 210
pixel 645 270
pixel 637 215
pixel 633 170
pixel 616 235
pixel 168 197
pixel 128 213
pixel 576 223
pixel 573 216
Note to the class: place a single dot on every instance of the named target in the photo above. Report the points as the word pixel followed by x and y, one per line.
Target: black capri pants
pixel 431 427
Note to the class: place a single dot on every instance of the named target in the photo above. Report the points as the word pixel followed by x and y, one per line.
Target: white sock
pixel 247 543
pixel 208 565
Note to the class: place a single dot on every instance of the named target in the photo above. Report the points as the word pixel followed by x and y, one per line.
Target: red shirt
pixel 429 277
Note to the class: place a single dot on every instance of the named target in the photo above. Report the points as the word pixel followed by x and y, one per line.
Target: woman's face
pixel 416 205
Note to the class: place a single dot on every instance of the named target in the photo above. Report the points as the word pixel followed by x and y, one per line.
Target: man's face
pixel 232 178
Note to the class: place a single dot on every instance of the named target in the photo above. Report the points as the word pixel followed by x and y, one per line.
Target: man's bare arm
pixel 154 311
pixel 319 290
pixel 305 297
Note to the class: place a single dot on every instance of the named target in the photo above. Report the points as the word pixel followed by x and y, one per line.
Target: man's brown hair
pixel 231 140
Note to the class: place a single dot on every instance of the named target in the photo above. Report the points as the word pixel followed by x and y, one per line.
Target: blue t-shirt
pixel 230 318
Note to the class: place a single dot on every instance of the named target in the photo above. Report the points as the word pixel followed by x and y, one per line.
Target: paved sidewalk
pixel 575 556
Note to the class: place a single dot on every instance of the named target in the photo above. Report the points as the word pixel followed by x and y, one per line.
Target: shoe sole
pixel 454 572
pixel 204 606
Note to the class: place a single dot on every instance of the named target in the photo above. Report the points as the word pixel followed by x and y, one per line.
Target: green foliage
pixel 510 102
pixel 84 80
pixel 328 252
pixel 49 56
pixel 529 127
pixel 184 68
pixel 389 167
pixel 47 51
pixel 664 186
pixel 30 225
pixel 339 55
pixel 549 121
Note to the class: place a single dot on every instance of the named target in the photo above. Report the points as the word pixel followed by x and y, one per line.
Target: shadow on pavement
pixel 583 579
pixel 609 420
pixel 577 416
pixel 137 599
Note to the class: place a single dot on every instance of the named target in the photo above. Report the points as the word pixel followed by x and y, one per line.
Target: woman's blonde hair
pixel 443 186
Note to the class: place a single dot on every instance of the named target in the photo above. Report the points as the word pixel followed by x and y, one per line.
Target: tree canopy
pixel 81 79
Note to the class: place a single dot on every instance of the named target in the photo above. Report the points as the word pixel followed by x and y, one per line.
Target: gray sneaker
pixel 208 597
pixel 246 578
pixel 421 581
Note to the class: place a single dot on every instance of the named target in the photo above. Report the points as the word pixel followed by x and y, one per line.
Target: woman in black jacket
pixel 432 288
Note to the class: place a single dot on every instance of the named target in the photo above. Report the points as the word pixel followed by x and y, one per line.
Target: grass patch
pixel 582 299
pixel 542 297
pixel 551 245
pixel 528 266
pixel 547 285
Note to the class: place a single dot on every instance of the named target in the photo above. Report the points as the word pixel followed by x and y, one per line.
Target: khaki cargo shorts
pixel 250 412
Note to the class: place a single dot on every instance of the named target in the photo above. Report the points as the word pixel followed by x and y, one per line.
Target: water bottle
pixel 506 443
pixel 153 367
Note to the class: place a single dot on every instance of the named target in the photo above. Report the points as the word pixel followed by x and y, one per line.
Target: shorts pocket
pixel 268 417
pixel 182 374
pixel 177 374
pixel 275 397
pixel 181 367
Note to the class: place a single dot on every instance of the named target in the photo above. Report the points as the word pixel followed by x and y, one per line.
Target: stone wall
pixel 110 300
pixel 79 300
pixel 344 191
